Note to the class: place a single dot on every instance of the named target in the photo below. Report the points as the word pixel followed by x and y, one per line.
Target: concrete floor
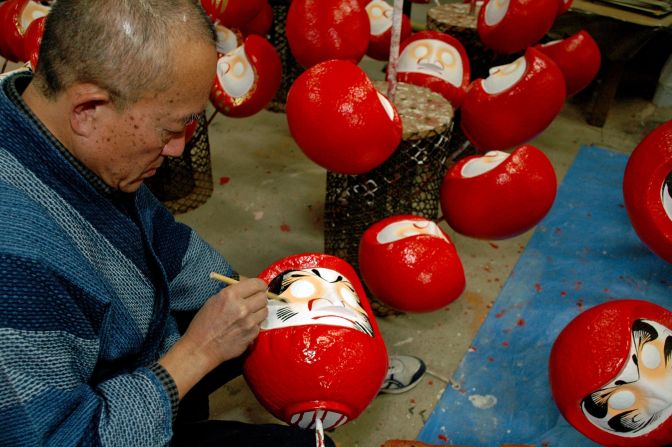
pixel 269 204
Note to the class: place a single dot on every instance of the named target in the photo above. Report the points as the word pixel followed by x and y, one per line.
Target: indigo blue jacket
pixel 88 284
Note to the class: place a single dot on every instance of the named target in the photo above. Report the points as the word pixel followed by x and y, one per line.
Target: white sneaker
pixel 403 373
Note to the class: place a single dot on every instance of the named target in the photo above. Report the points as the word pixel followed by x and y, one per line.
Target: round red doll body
pixel 247 78
pixel 611 374
pixel 339 119
pixel 261 23
pixel 17 17
pixel 514 104
pixel 232 13
pixel 578 57
pixel 437 61
pixel 32 40
pixel 320 354
pixel 647 190
pixel 509 26
pixel 380 21
pixel 498 195
pixel 410 264
pixel 322 30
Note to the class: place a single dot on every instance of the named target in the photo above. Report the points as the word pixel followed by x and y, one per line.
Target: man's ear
pixel 88 104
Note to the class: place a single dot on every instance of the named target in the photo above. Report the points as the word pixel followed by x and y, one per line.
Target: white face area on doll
pixel 495 11
pixel 504 77
pixel 481 165
pixel 315 296
pixel 434 58
pixel 639 399
pixel 235 73
pixel 226 39
pixel 666 196
pixel 408 228
pixel 380 16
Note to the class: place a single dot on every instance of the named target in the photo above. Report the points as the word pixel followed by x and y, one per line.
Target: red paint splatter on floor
pixel 557 230
pixel 537 287
pixel 521 322
pixel 491 359
pixel 563 293
pixel 505 344
pixel 430 382
pixel 500 314
pixel 443 438
pixel 493 245
pixel 605 290
pixel 579 304
pixel 487 268
pixel 224 180
pixel 578 285
pixel 285 228
pixel 412 401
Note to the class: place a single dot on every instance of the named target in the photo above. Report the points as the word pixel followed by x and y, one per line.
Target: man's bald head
pixel 123 46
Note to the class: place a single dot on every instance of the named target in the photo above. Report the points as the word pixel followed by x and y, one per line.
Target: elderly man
pixel 96 274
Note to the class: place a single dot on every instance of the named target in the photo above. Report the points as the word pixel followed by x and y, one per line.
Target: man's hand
pixel 224 327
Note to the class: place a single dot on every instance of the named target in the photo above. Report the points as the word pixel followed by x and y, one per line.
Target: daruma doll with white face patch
pixel 578 57
pixel 647 190
pixel 611 374
pixel 320 354
pixel 410 264
pixel 321 30
pixel 498 195
pixel 339 119
pixel 247 78
pixel 514 104
pixel 380 20
pixel 437 61
pixel 509 26
pixel 15 18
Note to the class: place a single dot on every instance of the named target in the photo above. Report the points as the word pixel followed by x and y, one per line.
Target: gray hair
pixel 123 46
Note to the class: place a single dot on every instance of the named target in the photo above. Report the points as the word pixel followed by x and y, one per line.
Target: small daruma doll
pixel 611 374
pixel 320 355
pixel 247 78
pixel 380 19
pixel 498 195
pixel 410 264
pixel 647 190
pixel 437 61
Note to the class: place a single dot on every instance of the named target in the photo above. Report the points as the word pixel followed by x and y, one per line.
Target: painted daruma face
pixel 380 16
pixel 639 399
pixel 408 228
pixel 432 57
pixel 315 296
pixel 235 73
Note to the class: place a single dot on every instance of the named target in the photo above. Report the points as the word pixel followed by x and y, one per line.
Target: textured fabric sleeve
pixel 50 332
pixel 188 260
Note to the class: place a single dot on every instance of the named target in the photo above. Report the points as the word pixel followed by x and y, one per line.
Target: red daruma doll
pixel 611 374
pixel 320 354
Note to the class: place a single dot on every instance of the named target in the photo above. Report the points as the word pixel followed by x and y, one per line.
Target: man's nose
pixel 174 147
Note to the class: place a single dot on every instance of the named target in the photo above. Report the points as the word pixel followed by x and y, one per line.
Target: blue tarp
pixel 583 253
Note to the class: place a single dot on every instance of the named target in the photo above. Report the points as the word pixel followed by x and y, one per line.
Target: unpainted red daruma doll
pixel 32 40
pixel 232 13
pixel 577 56
pixel 247 78
pixel 509 26
pixel 514 104
pixel 261 23
pixel 437 61
pixel 409 263
pixel 380 19
pixel 15 17
pixel 647 190
pixel 339 119
pixel 320 354
pixel 498 195
pixel 611 374
pixel 321 30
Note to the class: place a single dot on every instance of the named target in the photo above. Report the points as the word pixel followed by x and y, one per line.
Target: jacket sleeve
pixel 49 330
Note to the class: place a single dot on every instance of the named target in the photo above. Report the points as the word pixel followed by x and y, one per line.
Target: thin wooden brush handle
pixel 230 281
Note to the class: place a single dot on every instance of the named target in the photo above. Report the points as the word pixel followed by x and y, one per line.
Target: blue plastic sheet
pixel 583 253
